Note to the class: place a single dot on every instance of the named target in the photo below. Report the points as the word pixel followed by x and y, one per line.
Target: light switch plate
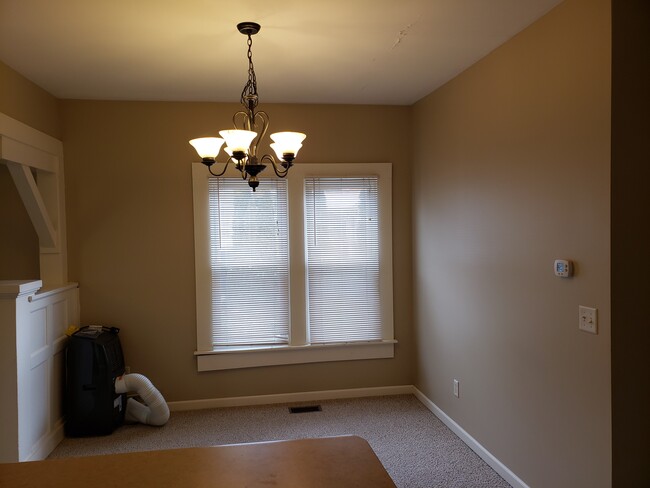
pixel 588 319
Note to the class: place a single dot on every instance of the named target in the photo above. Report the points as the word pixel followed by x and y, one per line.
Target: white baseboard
pixel 472 443
pixel 46 444
pixel 305 396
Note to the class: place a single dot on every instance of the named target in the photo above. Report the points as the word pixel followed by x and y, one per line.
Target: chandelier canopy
pixel 250 128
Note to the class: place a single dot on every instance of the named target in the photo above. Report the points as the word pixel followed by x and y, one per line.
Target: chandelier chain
pixel 249 96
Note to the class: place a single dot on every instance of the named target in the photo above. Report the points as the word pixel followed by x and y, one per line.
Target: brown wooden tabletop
pixel 338 462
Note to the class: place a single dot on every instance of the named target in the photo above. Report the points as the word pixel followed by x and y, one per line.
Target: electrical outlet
pixel 588 319
pixel 127 369
pixel 456 391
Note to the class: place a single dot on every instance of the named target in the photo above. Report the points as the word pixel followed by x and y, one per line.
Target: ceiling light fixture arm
pixel 224 168
pixel 279 172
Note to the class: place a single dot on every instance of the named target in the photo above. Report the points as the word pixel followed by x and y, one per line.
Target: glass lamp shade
pixel 287 143
pixel 281 150
pixel 238 140
pixel 207 147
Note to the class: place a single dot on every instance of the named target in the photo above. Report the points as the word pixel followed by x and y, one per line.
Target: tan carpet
pixel 415 447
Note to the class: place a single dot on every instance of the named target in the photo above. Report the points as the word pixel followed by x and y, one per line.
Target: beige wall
pixel 24 101
pixel 130 233
pixel 19 251
pixel 512 162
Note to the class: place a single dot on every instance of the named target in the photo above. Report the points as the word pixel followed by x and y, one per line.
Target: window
pixel 299 271
pixel 249 259
pixel 342 241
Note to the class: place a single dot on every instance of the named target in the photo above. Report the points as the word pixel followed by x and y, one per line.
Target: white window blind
pixel 342 236
pixel 249 258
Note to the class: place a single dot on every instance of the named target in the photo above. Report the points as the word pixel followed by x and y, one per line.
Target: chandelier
pixel 250 128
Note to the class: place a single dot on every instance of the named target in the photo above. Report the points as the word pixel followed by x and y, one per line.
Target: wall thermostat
pixel 563 268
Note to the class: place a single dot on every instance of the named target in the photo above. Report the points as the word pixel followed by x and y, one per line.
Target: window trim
pixel 298 350
pixel 239 357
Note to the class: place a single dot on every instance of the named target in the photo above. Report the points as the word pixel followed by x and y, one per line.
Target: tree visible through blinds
pixel 342 234
pixel 249 257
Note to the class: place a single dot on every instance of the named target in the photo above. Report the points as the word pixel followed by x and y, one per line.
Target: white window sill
pixel 251 357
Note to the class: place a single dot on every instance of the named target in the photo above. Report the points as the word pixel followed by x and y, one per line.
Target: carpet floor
pixel 416 448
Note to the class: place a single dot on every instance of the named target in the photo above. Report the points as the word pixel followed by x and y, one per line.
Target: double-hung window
pixel 249 262
pixel 298 271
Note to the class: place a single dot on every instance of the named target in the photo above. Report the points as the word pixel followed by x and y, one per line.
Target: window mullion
pixel 385 186
pixel 298 310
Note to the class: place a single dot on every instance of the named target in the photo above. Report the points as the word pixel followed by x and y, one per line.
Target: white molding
pixel 304 396
pixel 17 288
pixel 22 149
pixel 472 443
pixel 36 208
pixel 13 151
pixel 47 443
pixel 19 131
pixel 49 291
pixel 312 353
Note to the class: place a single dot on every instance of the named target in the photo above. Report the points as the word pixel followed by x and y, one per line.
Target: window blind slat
pixel 249 262
pixel 342 240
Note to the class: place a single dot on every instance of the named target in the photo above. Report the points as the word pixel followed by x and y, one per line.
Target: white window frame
pixel 298 350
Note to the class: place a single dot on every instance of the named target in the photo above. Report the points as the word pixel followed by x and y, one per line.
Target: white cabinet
pixel 33 321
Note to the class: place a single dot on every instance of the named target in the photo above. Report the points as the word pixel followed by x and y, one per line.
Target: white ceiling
pixel 308 51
